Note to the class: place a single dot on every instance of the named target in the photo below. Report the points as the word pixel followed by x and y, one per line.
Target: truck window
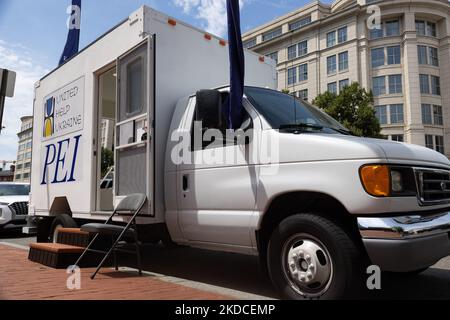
pixel 134 86
pixel 221 125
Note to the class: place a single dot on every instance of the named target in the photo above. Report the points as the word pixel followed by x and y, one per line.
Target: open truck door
pixel 134 151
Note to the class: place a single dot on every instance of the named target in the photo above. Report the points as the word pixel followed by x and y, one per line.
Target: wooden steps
pixel 54 255
pixel 71 243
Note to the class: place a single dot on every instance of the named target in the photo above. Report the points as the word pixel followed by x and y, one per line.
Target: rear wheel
pixel 61 221
pixel 311 257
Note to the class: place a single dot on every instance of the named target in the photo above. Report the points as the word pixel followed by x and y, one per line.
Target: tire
pixel 61 221
pixel 328 263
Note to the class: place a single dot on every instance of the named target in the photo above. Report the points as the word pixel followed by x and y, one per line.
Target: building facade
pixel 24 153
pixel 405 60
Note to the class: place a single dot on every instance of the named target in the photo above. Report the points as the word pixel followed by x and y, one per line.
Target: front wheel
pixel 311 257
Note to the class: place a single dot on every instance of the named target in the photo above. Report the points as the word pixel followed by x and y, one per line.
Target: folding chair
pixel 130 206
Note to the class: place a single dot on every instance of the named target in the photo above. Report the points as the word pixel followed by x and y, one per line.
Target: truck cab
pixel 316 203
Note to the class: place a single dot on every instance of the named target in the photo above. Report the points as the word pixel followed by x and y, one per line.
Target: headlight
pixel 397 181
pixel 386 181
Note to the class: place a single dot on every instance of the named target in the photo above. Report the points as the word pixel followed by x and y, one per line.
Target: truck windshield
pixel 14 190
pixel 285 112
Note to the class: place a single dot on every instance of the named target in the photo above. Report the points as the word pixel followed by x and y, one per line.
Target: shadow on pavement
pixel 12 234
pixel 431 284
pixel 232 271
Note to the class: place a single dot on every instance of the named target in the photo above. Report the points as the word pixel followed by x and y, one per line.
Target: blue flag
pixel 73 38
pixel 237 65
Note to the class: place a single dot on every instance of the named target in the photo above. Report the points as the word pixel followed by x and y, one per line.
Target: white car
pixel 14 199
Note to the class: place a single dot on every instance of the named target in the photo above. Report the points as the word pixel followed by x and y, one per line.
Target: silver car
pixel 14 199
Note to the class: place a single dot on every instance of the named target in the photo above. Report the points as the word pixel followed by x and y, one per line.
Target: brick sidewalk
pixel 21 279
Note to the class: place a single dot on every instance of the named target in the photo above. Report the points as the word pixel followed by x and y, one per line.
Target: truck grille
pixel 434 186
pixel 20 208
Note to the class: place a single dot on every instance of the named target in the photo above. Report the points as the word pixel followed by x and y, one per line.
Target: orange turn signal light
pixel 376 180
pixel 172 22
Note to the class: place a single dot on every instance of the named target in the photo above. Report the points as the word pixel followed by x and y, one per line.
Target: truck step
pixel 73 237
pixel 60 256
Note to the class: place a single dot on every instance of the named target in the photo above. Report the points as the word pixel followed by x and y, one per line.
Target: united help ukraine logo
pixel 49 117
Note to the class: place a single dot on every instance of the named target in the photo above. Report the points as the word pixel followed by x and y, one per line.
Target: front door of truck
pixel 217 192
pixel 133 142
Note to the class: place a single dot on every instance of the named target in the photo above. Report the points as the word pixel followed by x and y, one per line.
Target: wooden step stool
pixel 54 255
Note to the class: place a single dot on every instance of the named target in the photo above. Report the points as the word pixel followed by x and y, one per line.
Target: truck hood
pixel 329 147
pixel 12 199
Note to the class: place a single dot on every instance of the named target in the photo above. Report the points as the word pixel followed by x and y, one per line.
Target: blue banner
pixel 237 65
pixel 73 38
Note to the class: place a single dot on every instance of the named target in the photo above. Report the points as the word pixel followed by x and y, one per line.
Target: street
pixel 238 276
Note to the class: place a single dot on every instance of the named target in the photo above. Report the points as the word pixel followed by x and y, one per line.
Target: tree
pixel 353 107
pixel 107 160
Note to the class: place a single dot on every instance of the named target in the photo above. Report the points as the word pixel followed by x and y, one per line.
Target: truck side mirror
pixel 209 109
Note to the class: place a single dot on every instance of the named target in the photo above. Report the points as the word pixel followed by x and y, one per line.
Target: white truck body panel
pixel 185 61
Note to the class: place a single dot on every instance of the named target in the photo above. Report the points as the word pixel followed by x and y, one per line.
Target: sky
pixel 33 35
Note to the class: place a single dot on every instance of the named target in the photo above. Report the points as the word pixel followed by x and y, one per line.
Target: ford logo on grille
pixel 443 186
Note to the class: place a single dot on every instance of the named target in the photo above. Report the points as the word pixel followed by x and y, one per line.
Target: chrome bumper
pixel 406 243
pixel 406 227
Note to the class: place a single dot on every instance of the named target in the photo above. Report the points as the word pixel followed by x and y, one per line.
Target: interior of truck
pixel 106 139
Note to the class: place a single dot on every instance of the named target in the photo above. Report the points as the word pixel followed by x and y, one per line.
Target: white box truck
pixel 315 203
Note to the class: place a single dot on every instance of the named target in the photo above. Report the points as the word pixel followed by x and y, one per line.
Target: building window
pixel 292 76
pixel 27 165
pixel 20 157
pixel 332 87
pixel 343 61
pixel 379 86
pixel 396 113
pixel 435 85
pixel 376 33
pixel 397 137
pixel 342 34
pixel 273 56
pixel 303 48
pixel 431 29
pixel 440 144
pixel 377 57
pixel 429 141
pixel 331 39
pixel 422 53
pixel 381 114
pixel 426 114
pixel 26 175
pixel 437 116
pixel 395 84
pixel 292 52
pixel 420 27
pixel 303 72
pixel 343 84
pixel 303 94
pixel 393 54
pixel 19 167
pixel 392 28
pixel 300 23
pixel 424 84
pixel 331 65
pixel 18 177
pixel 434 57
pixel 272 34
pixel 425 28
pixel 250 43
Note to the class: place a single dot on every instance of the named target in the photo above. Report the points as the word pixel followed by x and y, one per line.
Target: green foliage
pixel 107 160
pixel 353 107
pixel 286 91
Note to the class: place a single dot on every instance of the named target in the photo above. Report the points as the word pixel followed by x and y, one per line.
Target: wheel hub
pixel 309 266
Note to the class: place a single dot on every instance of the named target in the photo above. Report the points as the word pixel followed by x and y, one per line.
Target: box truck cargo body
pixel 115 99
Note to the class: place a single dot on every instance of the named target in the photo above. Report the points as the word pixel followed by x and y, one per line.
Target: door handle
pixel 185 182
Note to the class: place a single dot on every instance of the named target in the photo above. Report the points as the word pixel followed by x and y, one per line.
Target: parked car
pixel 14 199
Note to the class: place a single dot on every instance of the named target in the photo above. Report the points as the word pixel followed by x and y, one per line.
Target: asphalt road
pixel 240 273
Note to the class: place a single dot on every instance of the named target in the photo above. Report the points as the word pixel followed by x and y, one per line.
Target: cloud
pixel 17 58
pixel 213 13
